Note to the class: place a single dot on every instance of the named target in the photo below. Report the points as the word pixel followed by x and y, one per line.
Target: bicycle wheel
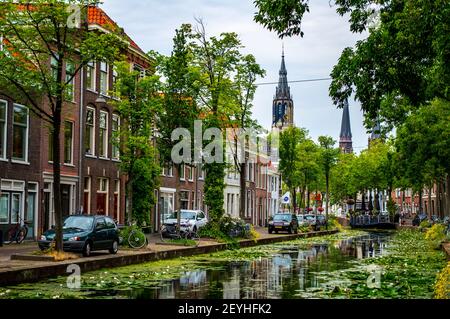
pixel 21 235
pixel 192 235
pixel 137 239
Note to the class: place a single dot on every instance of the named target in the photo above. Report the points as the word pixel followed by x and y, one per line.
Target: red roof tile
pixel 99 17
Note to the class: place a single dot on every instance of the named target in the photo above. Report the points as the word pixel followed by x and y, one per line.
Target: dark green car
pixel 85 234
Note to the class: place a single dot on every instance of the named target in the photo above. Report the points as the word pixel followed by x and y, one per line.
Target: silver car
pixel 189 219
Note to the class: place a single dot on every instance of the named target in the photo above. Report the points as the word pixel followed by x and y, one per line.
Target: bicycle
pixel 18 232
pixel 170 232
pixel 137 239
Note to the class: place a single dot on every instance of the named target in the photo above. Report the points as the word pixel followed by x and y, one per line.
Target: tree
pixel 290 158
pixel 423 146
pixel 308 167
pixel 401 65
pixel 328 158
pixel 140 101
pixel 43 54
pixel 240 118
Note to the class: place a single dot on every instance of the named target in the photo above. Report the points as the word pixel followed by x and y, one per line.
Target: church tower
pixel 283 105
pixel 345 141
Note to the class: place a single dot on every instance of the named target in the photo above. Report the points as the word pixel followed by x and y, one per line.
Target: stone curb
pixel 40 272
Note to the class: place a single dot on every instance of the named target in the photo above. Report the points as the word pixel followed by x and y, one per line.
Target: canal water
pixel 290 272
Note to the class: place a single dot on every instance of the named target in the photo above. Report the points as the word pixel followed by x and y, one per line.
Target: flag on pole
pixel 286 199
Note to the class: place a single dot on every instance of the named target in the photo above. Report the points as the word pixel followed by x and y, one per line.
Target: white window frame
pixel 25 160
pixel 92 141
pixel 170 170
pixel 117 192
pixel 113 155
pixel 182 170
pixel 71 144
pixel 190 173
pixel 105 137
pixel 107 78
pixel 73 80
pixel 5 128
pixel 92 65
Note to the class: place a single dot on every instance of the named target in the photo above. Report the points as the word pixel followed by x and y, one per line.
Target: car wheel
pixel 290 230
pixel 296 230
pixel 87 250
pixel 194 229
pixel 270 231
pixel 114 248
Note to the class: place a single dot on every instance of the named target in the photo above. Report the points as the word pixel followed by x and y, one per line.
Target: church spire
pixel 345 141
pixel 283 106
pixel 283 90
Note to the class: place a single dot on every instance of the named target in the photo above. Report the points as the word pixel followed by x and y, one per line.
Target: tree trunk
pixel 308 199
pixel 130 199
pixel 57 176
pixel 327 178
pixel 242 183
pixel 294 199
pixel 447 195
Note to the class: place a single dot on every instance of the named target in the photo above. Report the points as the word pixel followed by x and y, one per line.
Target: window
pixel 3 112
pixel 170 169
pixel 68 142
pixel 20 133
pixel 115 136
pixel 103 147
pixel 104 78
pixel 90 75
pixel 190 173
pixel 140 70
pixel 50 145
pixel 54 65
pixel 87 195
pixel 4 208
pixel 115 89
pixel 182 172
pixel 70 81
pixel 201 173
pixel 89 135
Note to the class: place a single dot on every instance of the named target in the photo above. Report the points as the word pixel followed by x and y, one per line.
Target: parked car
pixel 284 222
pixel 302 220
pixel 321 220
pixel 189 219
pixel 85 234
pixel 310 219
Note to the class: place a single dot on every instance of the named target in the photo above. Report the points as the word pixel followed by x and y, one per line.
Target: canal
pixel 345 265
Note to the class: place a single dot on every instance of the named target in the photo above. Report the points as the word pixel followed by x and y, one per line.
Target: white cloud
pixel 151 23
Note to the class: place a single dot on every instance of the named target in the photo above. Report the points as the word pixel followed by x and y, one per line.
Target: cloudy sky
pixel 151 23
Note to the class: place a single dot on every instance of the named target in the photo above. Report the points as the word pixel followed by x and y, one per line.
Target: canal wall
pixel 37 272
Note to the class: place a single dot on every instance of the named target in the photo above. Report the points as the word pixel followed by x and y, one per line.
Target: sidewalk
pixel 19 271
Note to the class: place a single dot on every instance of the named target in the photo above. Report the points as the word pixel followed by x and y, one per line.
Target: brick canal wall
pixel 39 272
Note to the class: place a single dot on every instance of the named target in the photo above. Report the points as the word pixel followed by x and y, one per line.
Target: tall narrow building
pixel 345 141
pixel 283 105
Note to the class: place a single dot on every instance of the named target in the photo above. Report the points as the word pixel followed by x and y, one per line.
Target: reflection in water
pixel 281 276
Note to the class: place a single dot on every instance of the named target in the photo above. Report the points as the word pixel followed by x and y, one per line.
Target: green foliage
pixel 425 224
pixel 125 233
pixel 214 187
pixel 139 103
pixel 283 17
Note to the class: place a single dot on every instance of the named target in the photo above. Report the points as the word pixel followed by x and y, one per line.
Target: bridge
pixel 367 221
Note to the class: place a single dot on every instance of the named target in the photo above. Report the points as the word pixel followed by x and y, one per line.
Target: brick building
pixel 90 178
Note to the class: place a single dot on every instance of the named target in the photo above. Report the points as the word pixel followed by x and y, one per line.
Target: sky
pixel 152 24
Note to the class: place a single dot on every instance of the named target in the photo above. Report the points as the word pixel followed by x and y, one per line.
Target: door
pixel 65 200
pixel 101 204
pixel 100 237
pixel 29 217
